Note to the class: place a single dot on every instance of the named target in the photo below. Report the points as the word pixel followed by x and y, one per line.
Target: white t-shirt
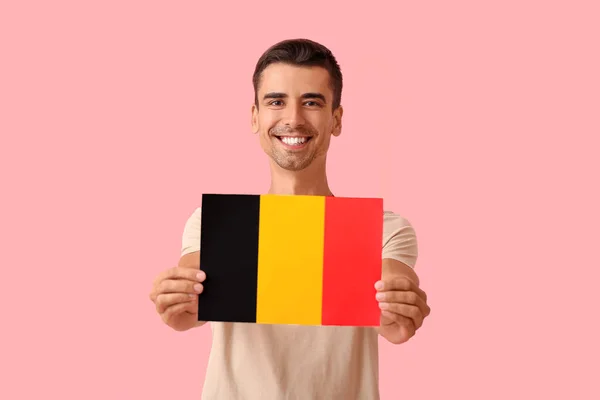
pixel 296 362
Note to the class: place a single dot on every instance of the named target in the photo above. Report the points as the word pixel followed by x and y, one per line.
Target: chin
pixel 292 165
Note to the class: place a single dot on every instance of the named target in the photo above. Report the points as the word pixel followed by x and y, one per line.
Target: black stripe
pixel 229 256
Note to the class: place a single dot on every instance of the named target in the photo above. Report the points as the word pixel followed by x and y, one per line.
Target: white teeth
pixel 292 141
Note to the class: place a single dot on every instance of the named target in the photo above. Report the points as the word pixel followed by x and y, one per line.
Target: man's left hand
pixel 403 308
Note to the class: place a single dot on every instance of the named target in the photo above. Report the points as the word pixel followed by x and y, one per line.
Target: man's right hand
pixel 175 295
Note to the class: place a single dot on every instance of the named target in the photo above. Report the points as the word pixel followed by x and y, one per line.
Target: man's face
pixel 294 119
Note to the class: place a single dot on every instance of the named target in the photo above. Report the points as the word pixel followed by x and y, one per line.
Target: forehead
pixel 294 79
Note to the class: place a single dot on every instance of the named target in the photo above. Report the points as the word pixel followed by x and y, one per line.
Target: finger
pixel 179 286
pixel 400 283
pixel 178 309
pixel 406 327
pixel 405 297
pixel 405 310
pixel 384 320
pixel 176 273
pixel 165 301
pixel 399 319
pixel 184 273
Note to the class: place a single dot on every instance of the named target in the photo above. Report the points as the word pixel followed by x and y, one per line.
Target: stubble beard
pixel 292 161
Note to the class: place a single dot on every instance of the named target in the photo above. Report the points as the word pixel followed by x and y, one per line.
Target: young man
pixel 298 86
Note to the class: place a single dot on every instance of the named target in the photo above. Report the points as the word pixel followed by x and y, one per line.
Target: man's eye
pixel 312 104
pixel 275 103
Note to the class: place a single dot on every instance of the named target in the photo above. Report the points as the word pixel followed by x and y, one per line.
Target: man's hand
pixel 175 295
pixel 403 308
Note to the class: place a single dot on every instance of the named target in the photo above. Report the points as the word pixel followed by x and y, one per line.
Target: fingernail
pixel 379 285
pixel 198 287
pixel 383 306
pixel 193 296
pixel 380 296
pixel 201 275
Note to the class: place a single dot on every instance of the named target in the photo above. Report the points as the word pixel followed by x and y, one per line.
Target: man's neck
pixel 311 181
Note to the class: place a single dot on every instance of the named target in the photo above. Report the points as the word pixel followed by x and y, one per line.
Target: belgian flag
pixel 290 259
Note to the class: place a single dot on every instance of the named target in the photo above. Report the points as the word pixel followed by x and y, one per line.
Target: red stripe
pixel 352 261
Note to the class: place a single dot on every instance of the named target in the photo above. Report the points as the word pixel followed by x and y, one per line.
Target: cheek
pixel 324 127
pixel 265 123
pixel 324 121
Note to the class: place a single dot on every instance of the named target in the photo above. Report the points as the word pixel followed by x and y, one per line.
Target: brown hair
pixel 301 52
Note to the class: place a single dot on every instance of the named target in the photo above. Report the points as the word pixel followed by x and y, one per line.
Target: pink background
pixel 477 121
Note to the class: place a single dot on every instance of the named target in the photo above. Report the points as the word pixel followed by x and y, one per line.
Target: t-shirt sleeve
pixel 400 241
pixel 190 241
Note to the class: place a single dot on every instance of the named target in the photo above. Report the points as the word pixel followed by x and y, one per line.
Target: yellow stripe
pixel 290 259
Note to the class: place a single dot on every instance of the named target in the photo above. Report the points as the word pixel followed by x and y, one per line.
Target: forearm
pixel 395 269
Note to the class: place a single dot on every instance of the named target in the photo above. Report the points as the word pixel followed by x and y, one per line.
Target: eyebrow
pixel 279 95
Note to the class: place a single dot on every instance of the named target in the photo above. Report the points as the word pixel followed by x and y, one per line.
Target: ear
pixel 337 121
pixel 254 119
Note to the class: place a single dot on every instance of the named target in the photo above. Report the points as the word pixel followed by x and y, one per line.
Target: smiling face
pixel 294 117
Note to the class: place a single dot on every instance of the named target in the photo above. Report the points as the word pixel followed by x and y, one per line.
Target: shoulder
pixel 399 239
pixel 194 220
pixel 392 220
pixel 190 240
pixel 395 224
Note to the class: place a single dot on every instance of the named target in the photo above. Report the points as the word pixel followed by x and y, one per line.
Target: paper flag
pixel 287 259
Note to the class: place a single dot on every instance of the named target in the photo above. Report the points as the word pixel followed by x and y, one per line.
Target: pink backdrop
pixel 477 122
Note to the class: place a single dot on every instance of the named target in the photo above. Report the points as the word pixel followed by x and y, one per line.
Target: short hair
pixel 301 52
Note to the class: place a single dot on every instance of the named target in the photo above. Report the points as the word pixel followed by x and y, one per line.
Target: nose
pixel 292 116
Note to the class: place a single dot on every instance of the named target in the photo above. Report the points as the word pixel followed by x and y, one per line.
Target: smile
pixel 295 142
